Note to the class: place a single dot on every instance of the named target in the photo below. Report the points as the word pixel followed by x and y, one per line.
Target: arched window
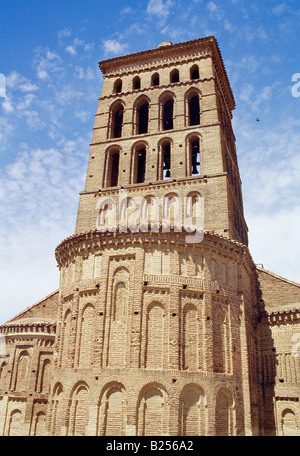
pixel 136 83
pixel 194 72
pixel 15 424
pixel 289 423
pixel 166 161
pixel 56 409
pixel 166 110
pixel 221 353
pixel 23 371
pixel 155 79
pixel 117 114
pixel 79 411
pixel 192 411
pixel 190 338
pixel 143 117
pixel 172 213
pixel 225 419
pixel 85 355
pixel 153 411
pixel 120 302
pixel 149 217
pixel 194 111
pixel 66 338
pixel 167 120
pixel 193 212
pixel 120 286
pixel 112 411
pixel 45 376
pixel 39 424
pixel 3 372
pixel 118 86
pixel 154 353
pixel 174 76
pixel 113 168
pixel 140 165
pixel 193 156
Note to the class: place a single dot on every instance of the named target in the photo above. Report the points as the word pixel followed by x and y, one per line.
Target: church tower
pixel 162 324
pixel 157 300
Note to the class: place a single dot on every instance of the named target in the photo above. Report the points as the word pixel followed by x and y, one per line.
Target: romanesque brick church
pixel 162 324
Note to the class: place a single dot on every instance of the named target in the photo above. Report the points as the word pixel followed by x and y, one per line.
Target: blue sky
pixel 49 56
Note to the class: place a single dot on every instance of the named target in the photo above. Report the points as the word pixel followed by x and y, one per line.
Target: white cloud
pixel 66 33
pixel 46 62
pixel 37 218
pixel 6 130
pixel 211 6
pixel 7 105
pixel 228 26
pixel 84 116
pixel 42 74
pixel 28 87
pixel 85 73
pixel 280 9
pixel 28 99
pixel 126 10
pixel 256 98
pixel 71 50
pixel 15 81
pixel 161 9
pixel 113 47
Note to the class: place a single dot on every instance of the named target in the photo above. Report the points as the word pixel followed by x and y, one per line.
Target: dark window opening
pixel 136 83
pixel 167 161
pixel 194 111
pixel 195 72
pixel 114 171
pixel 143 116
pixel 118 86
pixel 118 123
pixel 168 115
pixel 155 79
pixel 195 156
pixel 141 166
pixel 175 76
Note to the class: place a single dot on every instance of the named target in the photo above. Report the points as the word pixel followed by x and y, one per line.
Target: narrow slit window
pixel 143 117
pixel 114 169
pixel 168 115
pixel 141 166
pixel 166 161
pixel 194 111
pixel 117 122
pixel 195 157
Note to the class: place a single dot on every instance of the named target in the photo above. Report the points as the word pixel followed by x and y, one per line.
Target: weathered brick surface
pixel 150 334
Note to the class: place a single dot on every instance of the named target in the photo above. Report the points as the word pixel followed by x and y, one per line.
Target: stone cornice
pixel 283 315
pixel 207 45
pixel 162 87
pixel 92 240
pixel 156 54
pixel 167 185
pixel 29 329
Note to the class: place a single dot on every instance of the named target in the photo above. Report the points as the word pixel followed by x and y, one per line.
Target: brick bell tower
pixel 155 331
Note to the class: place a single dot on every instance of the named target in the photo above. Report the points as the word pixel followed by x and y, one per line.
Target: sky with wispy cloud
pixel 49 87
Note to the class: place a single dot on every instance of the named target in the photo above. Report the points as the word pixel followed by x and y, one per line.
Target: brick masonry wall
pixel 27 347
pixel 149 334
